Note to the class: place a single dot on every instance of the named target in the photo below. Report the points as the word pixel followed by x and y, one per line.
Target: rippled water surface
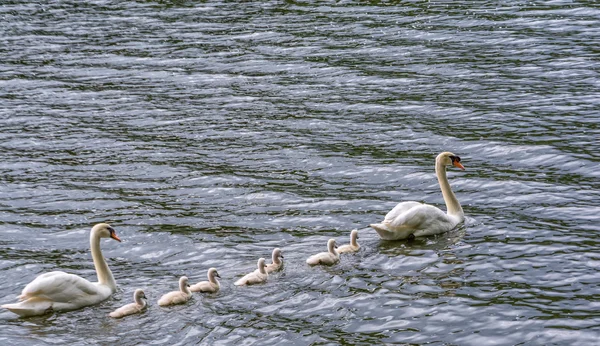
pixel 208 134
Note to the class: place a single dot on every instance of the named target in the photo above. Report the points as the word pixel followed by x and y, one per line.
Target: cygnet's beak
pixel 217 275
pixel 458 165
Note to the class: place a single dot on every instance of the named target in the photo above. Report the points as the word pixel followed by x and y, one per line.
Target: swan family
pixel 60 291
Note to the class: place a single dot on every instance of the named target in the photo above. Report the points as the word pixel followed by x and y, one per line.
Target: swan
pixel 134 308
pixel 210 286
pixel 177 297
pixel 59 291
pixel 328 258
pixel 353 246
pixel 414 219
pixel 277 261
pixel 256 277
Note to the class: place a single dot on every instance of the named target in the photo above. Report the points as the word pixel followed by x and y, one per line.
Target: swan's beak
pixel 458 165
pixel 281 256
pixel 115 237
pixel 217 275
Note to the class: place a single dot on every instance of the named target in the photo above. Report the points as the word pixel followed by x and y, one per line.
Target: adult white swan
pixel 59 291
pixel 414 219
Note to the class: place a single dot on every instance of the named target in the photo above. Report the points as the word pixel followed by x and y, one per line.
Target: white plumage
pixel 177 297
pixel 139 305
pixel 414 219
pixel 60 291
pixel 328 258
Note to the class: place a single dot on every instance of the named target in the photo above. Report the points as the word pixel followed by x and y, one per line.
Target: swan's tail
pixel 30 307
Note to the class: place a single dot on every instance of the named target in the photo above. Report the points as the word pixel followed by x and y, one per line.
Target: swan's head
pixel 138 295
pixel 212 273
pixel 261 264
pixel 277 254
pixel 104 230
pixel 183 282
pixel 448 159
pixel 331 245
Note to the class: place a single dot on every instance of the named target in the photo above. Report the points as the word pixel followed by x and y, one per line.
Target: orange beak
pixel 458 164
pixel 115 237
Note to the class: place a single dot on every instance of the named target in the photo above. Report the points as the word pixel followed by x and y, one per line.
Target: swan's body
pixel 138 306
pixel 277 261
pixel 177 297
pixel 414 219
pixel 60 291
pixel 328 258
pixel 353 246
pixel 256 277
pixel 210 286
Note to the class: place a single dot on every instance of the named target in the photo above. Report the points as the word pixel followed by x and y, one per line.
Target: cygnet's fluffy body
pixel 177 297
pixel 326 258
pixel 353 246
pixel 210 286
pixel 138 306
pixel 256 277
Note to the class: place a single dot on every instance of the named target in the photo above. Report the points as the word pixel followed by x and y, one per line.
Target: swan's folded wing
pixel 59 287
pixel 420 216
pixel 399 209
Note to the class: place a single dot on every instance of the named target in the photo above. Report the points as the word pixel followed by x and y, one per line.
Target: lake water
pixel 208 134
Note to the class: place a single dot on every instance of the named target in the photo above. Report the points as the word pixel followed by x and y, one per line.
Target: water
pixel 208 134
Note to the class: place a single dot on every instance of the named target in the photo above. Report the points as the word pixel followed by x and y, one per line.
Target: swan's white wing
pixel 59 287
pixel 420 216
pixel 399 209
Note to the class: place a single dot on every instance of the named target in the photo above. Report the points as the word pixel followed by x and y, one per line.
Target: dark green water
pixel 207 134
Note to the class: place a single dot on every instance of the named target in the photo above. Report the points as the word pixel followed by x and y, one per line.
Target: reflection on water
pixel 208 134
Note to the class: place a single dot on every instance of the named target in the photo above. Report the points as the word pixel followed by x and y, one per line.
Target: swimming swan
pixel 256 277
pixel 59 291
pixel 414 219
pixel 353 246
pixel 138 306
pixel 277 261
pixel 210 286
pixel 327 258
pixel 177 297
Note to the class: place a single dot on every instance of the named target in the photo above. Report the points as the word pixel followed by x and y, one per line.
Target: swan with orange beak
pixel 414 219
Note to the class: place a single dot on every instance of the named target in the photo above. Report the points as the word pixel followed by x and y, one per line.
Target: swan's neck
pixel 452 204
pixel 276 259
pixel 333 251
pixel 213 279
pixel 261 269
pixel 105 276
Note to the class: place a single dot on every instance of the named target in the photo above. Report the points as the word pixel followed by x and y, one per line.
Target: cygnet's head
pixel 183 283
pixel 138 295
pixel 104 230
pixel 261 264
pixel 212 273
pixel 277 254
pixel 331 245
pixel 449 159
pixel 354 235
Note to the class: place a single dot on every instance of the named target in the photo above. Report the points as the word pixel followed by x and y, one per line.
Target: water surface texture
pixel 208 134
